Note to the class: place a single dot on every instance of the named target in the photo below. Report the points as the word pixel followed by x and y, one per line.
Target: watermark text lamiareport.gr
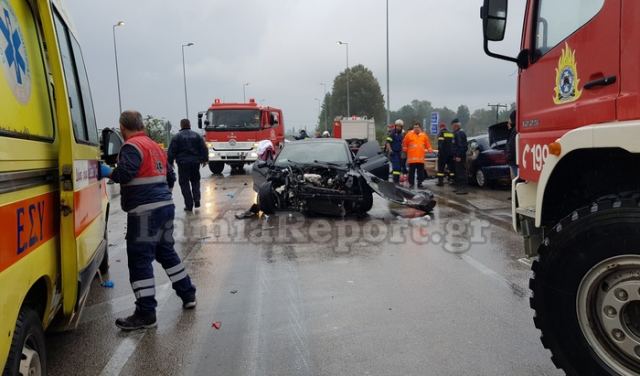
pixel 454 235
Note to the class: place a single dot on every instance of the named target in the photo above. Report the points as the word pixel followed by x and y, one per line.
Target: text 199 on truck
pixel 233 130
pixel 53 208
pixel 577 199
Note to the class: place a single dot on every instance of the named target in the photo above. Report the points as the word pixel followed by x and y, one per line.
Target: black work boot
pixel 137 321
pixel 197 204
pixel 440 183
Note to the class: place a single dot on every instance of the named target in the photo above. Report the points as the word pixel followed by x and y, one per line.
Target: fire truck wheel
pixel 216 167
pixel 586 289
pixel 267 201
pixel 27 354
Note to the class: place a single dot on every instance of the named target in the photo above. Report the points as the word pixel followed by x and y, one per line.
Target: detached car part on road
pixel 322 176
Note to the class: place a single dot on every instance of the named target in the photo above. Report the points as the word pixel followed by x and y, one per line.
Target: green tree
pixel 157 129
pixel 463 114
pixel 365 96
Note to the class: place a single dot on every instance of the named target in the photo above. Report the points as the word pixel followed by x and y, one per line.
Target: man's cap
pixel 454 121
pixel 442 125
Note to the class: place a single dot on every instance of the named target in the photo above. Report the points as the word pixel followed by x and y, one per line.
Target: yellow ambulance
pixel 53 207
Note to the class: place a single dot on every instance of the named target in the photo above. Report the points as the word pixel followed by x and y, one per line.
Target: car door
pixel 83 197
pixel 377 162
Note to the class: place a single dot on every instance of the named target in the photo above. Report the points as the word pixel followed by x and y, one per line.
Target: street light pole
pixel 348 100
pixel 244 92
pixel 115 52
pixel 388 87
pixel 184 76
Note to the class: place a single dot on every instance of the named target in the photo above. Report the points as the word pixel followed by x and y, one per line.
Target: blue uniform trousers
pixel 149 238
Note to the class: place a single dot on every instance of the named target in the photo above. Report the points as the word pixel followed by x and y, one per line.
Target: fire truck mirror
pixel 111 144
pixel 200 114
pixel 494 16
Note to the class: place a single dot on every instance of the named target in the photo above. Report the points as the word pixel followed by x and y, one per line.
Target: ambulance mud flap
pixel 421 200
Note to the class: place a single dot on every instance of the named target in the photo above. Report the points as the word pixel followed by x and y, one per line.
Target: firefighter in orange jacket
pixel 416 144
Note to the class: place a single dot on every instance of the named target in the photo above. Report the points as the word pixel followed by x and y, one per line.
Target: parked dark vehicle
pixel 486 157
pixel 322 176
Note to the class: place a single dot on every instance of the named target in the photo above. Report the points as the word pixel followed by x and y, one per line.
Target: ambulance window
pixel 85 90
pixel 73 86
pixel 559 19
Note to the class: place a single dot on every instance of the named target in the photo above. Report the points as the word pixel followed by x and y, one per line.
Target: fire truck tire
pixel 27 355
pixel 267 201
pixel 216 167
pixel 585 289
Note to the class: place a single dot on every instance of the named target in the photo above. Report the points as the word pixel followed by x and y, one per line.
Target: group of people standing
pixel 407 152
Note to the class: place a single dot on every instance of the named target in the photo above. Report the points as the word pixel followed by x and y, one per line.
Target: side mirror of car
pixel 111 144
pixel 361 160
pixel 262 164
pixel 200 114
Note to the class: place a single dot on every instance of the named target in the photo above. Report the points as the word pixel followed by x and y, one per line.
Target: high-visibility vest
pixel 153 168
pixel 416 146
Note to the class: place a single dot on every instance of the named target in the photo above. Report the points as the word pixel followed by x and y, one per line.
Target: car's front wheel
pixel 267 200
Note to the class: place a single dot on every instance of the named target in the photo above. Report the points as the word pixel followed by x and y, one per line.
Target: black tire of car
pixel 216 167
pixel 480 181
pixel 28 332
pixel 267 201
pixel 608 228
pixel 366 204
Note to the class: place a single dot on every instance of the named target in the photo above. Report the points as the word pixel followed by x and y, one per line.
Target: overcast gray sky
pixel 285 49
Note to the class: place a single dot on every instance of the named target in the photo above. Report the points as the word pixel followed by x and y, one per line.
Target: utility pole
pixel 346 44
pixel 115 53
pixel 184 77
pixel 497 108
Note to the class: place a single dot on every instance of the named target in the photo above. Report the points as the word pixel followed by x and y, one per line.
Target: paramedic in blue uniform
pixel 144 175
pixel 188 149
pixel 394 148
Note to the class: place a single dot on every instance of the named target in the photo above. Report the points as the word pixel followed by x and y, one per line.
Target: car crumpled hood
pixel 421 200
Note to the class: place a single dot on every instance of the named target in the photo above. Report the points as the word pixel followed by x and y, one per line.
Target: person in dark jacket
pixel 511 145
pixel 445 158
pixel 188 149
pixel 143 174
pixel 459 151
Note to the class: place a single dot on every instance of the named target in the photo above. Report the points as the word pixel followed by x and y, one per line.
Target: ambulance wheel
pixel 586 289
pixel 267 200
pixel 216 167
pixel 27 354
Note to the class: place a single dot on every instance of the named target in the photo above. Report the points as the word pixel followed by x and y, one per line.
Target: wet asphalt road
pixel 395 293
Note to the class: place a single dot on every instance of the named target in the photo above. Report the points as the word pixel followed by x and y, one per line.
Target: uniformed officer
pixel 143 174
pixel 188 149
pixel 459 150
pixel 394 148
pixel 445 158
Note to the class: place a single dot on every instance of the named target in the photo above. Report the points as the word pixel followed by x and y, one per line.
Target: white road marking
pixel 122 354
pixel 494 275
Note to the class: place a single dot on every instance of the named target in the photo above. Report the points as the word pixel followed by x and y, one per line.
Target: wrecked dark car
pixel 322 176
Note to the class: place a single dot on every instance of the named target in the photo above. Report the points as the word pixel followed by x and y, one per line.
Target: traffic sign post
pixel 435 120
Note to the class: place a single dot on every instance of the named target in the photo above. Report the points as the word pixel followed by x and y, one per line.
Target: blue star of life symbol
pixel 12 52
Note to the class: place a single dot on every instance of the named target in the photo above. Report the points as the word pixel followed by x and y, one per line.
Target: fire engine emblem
pixel 232 142
pixel 567 81
pixel 13 54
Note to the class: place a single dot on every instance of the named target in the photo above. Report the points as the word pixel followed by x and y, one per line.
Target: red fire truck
pixel 233 130
pixel 577 200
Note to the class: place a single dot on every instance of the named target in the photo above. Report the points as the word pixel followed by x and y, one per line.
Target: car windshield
pixel 310 152
pixel 235 120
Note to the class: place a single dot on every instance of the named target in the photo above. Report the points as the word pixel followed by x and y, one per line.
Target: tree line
pixel 366 99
